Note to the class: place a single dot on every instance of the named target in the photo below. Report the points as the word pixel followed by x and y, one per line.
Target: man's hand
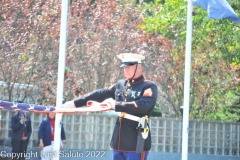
pixel 63 143
pixel 41 146
pixel 110 103
pixel 107 103
pixel 24 138
pixel 23 119
pixel 69 104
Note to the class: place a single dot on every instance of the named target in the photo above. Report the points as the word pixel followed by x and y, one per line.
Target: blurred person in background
pixel 46 136
pixel 0 122
pixel 21 132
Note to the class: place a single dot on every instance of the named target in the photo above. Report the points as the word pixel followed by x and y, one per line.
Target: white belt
pixel 129 116
pixel 141 122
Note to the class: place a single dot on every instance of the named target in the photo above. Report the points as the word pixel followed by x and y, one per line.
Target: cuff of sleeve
pixel 74 104
pixel 125 106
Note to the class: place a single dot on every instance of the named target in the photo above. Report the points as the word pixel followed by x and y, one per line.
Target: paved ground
pixel 34 154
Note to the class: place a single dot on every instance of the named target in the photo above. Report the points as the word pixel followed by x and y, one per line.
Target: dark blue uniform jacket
pixel 44 132
pixel 136 97
pixel 18 128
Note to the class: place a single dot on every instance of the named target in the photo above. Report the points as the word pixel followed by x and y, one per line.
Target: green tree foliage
pixel 234 108
pixel 230 113
pixel 215 54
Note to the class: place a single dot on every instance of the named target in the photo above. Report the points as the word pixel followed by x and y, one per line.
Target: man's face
pixel 22 115
pixel 51 115
pixel 129 71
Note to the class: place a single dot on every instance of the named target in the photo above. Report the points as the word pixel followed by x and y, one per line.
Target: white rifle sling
pixel 129 116
pixel 144 125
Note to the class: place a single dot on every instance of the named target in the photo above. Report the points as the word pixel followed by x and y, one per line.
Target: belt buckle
pixel 123 114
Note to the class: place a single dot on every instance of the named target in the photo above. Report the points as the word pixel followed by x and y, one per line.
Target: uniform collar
pixel 137 80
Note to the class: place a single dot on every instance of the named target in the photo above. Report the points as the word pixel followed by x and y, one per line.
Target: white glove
pixel 110 103
pixel 68 104
pixel 0 117
pixel 107 103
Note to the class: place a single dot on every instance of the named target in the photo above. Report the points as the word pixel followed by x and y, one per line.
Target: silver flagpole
pixel 60 83
pixel 187 82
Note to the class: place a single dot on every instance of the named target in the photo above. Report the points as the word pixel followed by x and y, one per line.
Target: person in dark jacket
pixel 134 98
pixel 21 132
pixel 46 136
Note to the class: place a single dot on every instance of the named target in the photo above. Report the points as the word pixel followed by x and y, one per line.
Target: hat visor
pixel 124 64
